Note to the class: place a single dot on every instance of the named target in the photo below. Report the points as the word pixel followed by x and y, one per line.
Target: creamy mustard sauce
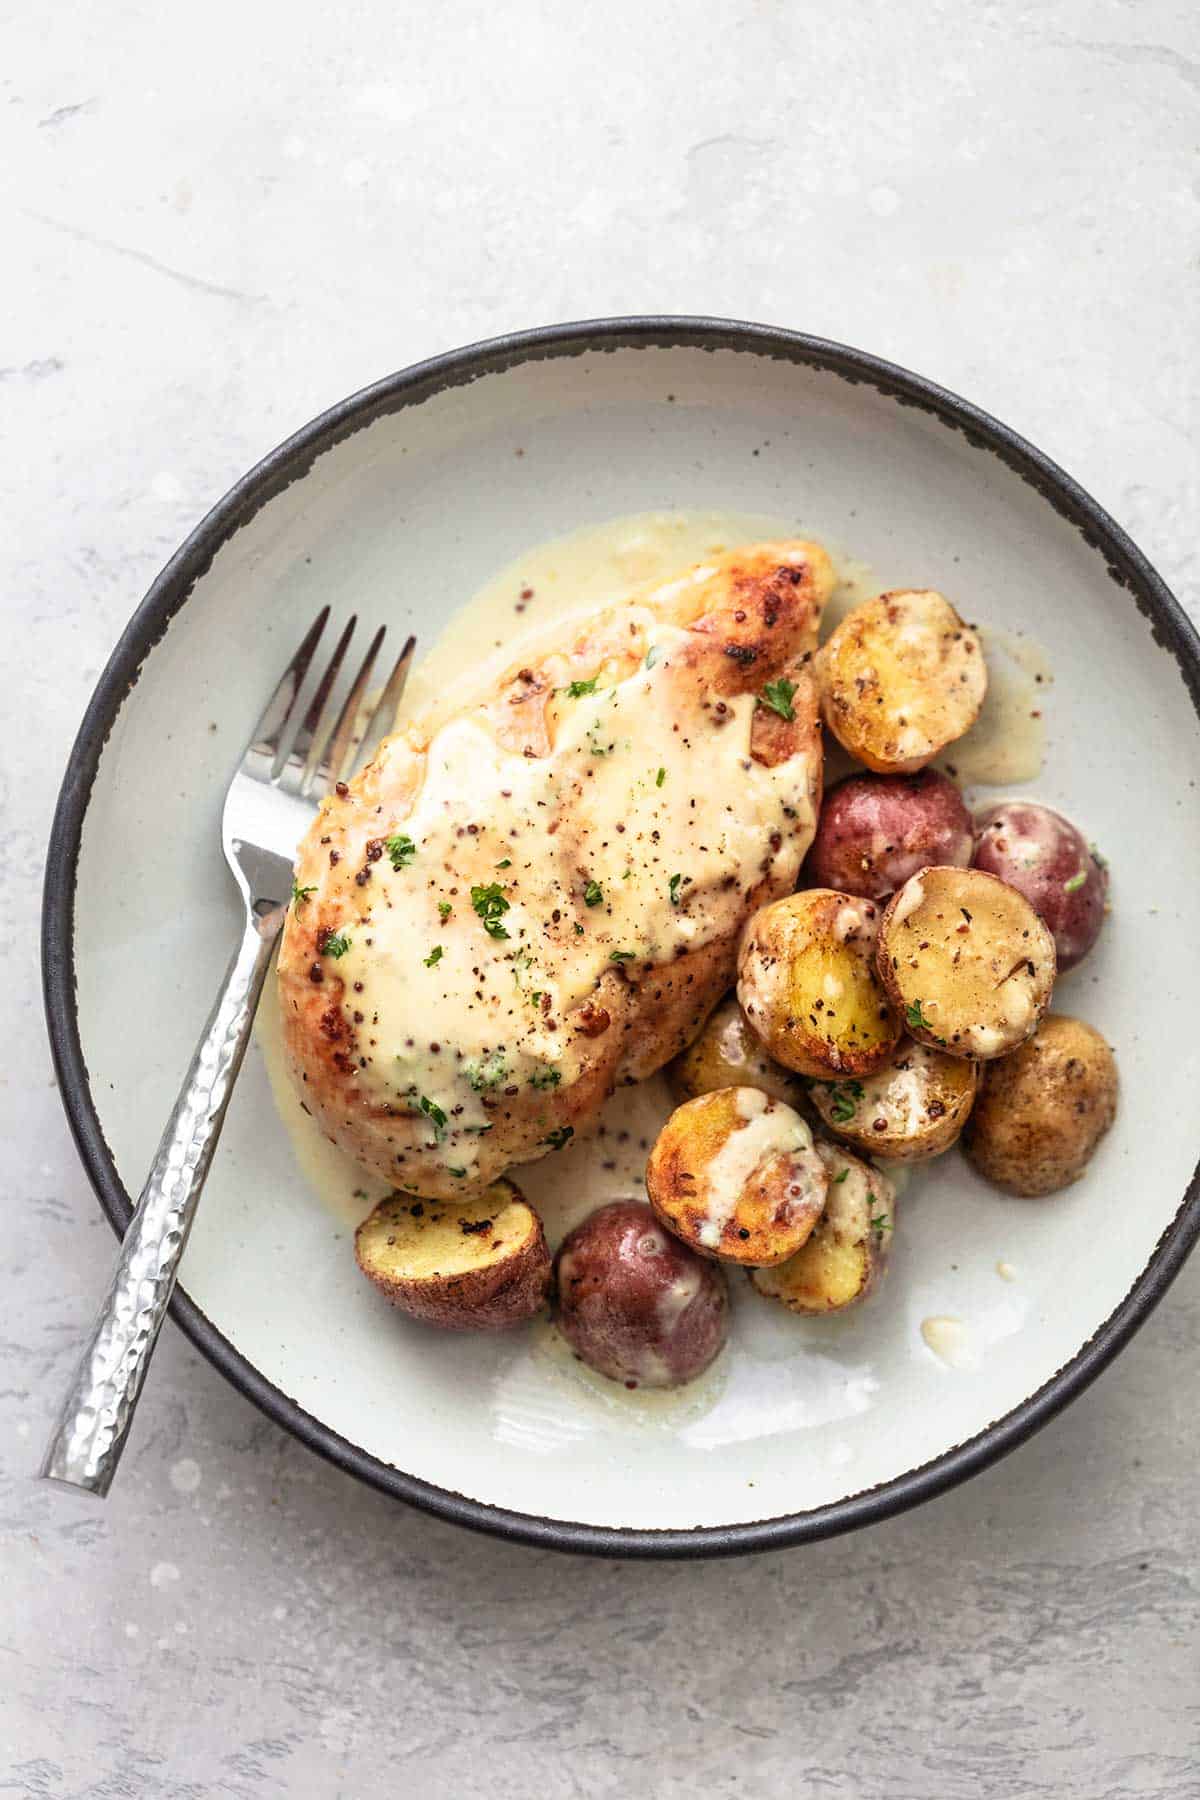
pixel 767 1129
pixel 1007 742
pixel 951 1342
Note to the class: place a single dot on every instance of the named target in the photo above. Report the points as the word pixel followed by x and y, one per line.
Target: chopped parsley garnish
pixel 621 955
pixel 915 1019
pixel 844 1097
pixel 1076 882
pixel 880 1223
pixel 673 887
pixel 559 1136
pixel 506 864
pixel 336 944
pixel 660 778
pixel 490 904
pixel 433 1112
pixel 777 697
pixel 444 910
pixel 488 1073
pixel 545 1078
pixel 652 655
pixel 400 849
pixel 459 1172
pixel 300 894
pixel 578 929
pixel 838 1179
pixel 577 689
pixel 435 956
pixel 593 894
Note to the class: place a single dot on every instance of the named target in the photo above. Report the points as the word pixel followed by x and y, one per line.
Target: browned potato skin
pixel 901 678
pixel 847 1255
pixel 779 1202
pixel 728 1054
pixel 634 1303
pixel 1047 859
pixel 1042 1111
pixel 464 1293
pixel 949 941
pixel 876 830
pixel 883 1122
pixel 788 950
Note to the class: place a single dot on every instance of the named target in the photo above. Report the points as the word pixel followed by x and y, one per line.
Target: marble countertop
pixel 219 220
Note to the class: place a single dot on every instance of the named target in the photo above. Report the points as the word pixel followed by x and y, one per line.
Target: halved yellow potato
pixel 728 1054
pixel 735 1175
pixel 966 961
pixel 901 678
pixel 913 1109
pixel 807 983
pixel 846 1254
pixel 465 1265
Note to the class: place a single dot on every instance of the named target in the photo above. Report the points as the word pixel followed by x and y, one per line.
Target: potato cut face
pixel 735 1175
pixel 407 1239
pixel 913 1109
pixel 966 961
pixel 808 984
pixel 847 1252
pixel 901 677
pixel 727 1054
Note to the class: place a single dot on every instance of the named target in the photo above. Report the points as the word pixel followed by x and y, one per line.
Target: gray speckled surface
pixel 219 221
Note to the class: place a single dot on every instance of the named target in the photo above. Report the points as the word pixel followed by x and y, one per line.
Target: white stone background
pixel 216 221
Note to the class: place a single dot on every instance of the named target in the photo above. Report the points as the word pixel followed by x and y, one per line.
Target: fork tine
pixel 269 730
pixel 338 752
pixel 302 756
pixel 383 718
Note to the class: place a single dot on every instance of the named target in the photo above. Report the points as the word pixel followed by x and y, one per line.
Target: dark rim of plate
pixel 1126 566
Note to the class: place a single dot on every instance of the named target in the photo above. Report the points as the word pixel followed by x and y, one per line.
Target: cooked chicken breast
pixel 498 923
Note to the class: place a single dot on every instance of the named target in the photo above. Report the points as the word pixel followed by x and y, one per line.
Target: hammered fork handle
pixel 90 1433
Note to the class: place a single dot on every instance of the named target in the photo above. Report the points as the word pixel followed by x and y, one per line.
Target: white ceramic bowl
pixel 398 503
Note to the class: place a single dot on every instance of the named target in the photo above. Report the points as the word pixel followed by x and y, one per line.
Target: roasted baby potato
pixel 877 830
pixel 735 1175
pixel 1042 1111
pixel 1047 859
pixel 466 1265
pixel 901 678
pixel 847 1253
pixel 908 1112
pixel 966 961
pixel 636 1304
pixel 807 984
pixel 728 1054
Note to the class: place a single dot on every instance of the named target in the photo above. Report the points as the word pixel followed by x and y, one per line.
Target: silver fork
pixel 291 762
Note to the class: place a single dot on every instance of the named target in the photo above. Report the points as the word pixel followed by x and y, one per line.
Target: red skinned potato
pixel 634 1303
pixel 877 830
pixel 1047 859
